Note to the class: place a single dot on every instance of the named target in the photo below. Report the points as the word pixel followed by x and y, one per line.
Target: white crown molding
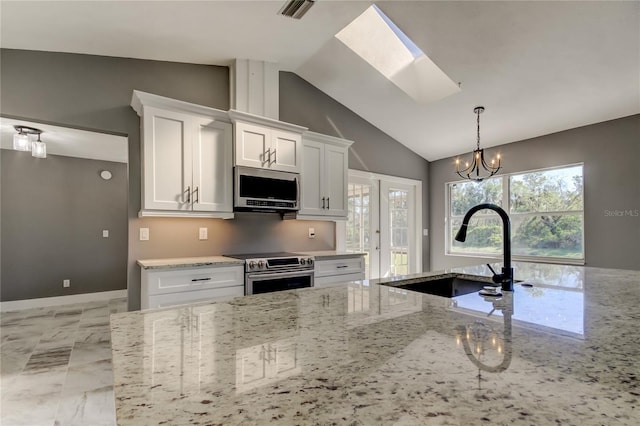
pixel 332 140
pixel 236 115
pixel 142 99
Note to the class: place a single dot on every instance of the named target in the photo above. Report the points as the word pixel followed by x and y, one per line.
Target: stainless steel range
pixel 267 272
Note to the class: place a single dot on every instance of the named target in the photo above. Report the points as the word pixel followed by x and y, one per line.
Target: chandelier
pixel 478 169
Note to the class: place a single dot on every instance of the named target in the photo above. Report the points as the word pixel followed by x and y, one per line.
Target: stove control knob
pixel 309 261
pixel 261 264
pixel 303 261
pixel 252 264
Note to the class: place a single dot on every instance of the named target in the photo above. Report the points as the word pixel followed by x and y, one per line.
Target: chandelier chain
pixel 478 123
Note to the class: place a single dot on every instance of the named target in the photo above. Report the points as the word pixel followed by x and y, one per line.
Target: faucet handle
pixel 492 271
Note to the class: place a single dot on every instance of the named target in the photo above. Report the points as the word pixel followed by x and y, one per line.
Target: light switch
pixel 203 234
pixel 312 233
pixel 105 233
pixel 144 234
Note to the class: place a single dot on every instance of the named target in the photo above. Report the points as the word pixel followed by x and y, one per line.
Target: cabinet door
pixel 283 358
pixel 312 170
pixel 166 153
pixel 166 333
pixel 335 175
pixel 285 151
pixel 251 367
pixel 212 166
pixel 252 143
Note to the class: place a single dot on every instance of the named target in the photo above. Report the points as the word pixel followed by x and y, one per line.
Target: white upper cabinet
pixel 324 177
pixel 186 158
pixel 266 144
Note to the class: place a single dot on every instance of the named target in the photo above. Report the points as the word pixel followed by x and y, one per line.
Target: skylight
pixel 379 41
pixel 408 43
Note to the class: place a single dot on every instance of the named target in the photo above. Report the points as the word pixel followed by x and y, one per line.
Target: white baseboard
pixel 17 305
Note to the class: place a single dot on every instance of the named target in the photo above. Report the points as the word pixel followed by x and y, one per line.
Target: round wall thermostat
pixel 105 174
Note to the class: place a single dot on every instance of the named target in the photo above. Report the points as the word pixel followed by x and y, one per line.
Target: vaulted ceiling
pixel 537 67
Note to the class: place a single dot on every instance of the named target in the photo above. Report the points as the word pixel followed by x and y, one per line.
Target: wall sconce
pixel 22 142
pixel 21 139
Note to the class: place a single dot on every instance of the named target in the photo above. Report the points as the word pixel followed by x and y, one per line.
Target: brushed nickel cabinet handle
pixel 196 192
pixel 188 192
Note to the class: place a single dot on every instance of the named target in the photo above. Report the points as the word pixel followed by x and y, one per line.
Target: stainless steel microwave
pixel 265 190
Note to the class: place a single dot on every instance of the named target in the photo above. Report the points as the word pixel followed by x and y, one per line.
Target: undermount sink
pixel 450 286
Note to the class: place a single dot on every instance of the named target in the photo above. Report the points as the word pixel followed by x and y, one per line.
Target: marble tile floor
pixel 55 365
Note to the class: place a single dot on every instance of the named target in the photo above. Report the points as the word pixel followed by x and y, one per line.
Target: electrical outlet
pixel 425 232
pixel 144 234
pixel 203 234
pixel 105 233
pixel 66 283
pixel 312 233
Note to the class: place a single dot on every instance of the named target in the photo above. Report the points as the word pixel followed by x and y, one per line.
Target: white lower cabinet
pixel 186 349
pixel 168 287
pixel 266 363
pixel 338 270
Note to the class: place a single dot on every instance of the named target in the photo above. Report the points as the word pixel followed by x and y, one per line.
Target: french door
pixel 384 222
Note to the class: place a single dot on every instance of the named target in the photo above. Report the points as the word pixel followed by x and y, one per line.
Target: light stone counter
pixel 189 262
pixel 566 351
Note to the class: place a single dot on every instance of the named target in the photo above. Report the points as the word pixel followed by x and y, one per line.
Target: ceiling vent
pixel 296 8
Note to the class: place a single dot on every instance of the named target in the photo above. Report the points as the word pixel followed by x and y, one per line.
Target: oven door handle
pixel 300 273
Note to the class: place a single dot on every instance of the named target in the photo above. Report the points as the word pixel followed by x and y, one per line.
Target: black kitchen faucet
pixel 506 277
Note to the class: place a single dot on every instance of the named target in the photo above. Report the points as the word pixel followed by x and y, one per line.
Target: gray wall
pixel 94 92
pixel 54 211
pixel 610 152
pixel 372 151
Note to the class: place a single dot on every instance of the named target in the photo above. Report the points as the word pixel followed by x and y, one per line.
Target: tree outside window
pixel 546 209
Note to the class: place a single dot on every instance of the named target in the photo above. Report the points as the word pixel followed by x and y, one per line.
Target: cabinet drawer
pixel 337 279
pixel 191 279
pixel 213 295
pixel 326 268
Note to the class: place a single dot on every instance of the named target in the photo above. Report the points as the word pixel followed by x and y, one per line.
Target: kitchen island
pixel 565 351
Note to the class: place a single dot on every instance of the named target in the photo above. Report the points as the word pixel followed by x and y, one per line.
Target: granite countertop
pixel 565 351
pixel 189 262
pixel 329 254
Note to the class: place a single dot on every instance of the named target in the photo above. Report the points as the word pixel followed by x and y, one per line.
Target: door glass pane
pixel 399 229
pixel 359 221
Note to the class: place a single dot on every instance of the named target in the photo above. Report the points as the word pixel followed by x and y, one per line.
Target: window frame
pixel 506 205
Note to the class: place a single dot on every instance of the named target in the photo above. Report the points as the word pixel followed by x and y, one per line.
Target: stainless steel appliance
pixel 275 271
pixel 265 190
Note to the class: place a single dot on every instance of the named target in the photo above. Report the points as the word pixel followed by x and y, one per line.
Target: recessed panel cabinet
pixel 186 158
pixel 266 144
pixel 325 163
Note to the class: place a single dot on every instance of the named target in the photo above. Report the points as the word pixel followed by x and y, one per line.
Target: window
pixel 546 209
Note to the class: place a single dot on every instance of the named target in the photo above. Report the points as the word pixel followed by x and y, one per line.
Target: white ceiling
pixel 537 67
